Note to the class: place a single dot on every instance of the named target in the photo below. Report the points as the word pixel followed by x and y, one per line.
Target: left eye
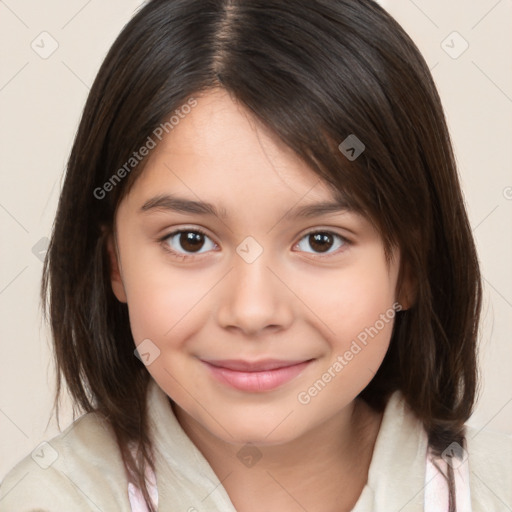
pixel 190 241
pixel 321 242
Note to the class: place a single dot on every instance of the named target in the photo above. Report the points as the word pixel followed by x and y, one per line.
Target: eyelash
pixel 180 255
pixel 183 256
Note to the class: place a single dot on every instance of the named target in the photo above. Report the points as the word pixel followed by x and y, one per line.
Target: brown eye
pixel 189 241
pixel 321 242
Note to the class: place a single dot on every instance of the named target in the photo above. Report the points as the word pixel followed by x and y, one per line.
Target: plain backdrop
pixel 50 53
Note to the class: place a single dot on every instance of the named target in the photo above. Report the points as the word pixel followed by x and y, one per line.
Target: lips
pixel 256 366
pixel 255 376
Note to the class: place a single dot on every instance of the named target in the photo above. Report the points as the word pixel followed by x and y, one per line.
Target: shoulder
pixel 80 469
pixel 490 464
pixel 489 456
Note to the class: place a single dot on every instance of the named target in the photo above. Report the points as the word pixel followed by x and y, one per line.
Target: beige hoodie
pixel 81 469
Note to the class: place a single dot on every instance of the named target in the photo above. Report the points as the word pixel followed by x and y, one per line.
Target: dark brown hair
pixel 314 72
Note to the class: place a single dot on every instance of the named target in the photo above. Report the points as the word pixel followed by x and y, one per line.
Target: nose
pixel 254 299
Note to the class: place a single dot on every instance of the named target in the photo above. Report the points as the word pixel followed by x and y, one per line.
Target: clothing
pixel 437 494
pixel 436 488
pixel 88 473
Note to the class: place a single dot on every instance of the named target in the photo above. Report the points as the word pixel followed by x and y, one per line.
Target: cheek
pixel 165 311
pixel 349 300
pixel 161 301
pixel 355 314
pixel 357 310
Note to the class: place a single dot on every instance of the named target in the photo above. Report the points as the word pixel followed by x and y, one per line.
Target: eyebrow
pixel 168 202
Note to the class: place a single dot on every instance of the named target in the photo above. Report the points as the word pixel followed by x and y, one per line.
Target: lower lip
pixel 257 381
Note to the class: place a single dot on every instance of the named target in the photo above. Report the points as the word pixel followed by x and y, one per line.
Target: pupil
pixel 320 242
pixel 191 241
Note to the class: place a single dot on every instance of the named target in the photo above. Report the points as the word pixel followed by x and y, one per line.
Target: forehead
pixel 220 150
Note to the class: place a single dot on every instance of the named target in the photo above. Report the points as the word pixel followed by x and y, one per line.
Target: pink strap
pixel 137 502
pixel 436 486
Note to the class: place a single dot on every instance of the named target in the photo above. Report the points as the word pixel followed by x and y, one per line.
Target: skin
pixel 292 302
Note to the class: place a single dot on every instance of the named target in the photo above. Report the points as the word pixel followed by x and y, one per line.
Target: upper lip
pixel 253 366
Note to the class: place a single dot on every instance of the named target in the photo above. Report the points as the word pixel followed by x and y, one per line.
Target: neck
pixel 323 470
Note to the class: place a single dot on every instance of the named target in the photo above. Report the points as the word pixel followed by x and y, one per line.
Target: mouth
pixel 255 376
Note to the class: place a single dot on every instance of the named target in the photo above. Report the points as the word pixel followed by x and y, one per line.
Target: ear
pixel 116 279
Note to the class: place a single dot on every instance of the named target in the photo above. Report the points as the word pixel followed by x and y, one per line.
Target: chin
pixel 267 433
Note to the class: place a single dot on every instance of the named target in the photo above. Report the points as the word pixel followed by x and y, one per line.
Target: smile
pixel 255 376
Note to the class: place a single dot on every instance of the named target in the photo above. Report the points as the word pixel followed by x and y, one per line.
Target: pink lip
pixel 255 376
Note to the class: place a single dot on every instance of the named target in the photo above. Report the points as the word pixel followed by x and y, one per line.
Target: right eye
pixel 187 242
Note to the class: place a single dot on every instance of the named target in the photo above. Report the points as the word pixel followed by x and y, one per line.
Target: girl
pixel 262 284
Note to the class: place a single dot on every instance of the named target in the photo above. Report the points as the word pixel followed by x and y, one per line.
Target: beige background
pixel 41 100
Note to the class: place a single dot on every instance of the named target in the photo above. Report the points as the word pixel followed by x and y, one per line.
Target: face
pixel 260 314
